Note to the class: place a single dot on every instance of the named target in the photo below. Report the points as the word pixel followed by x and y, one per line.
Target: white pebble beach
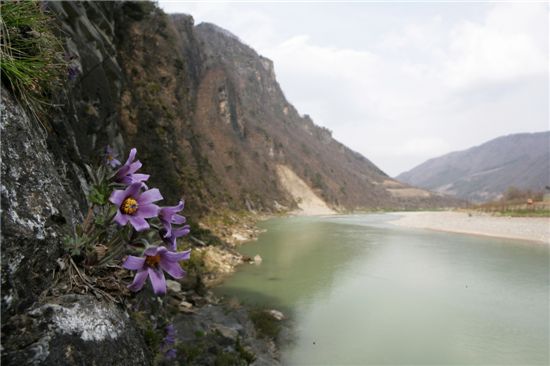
pixel 535 229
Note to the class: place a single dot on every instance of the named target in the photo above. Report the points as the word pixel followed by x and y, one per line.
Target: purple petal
pixel 165 212
pixel 134 263
pixel 152 251
pixel 170 210
pixel 121 172
pixel 147 211
pixel 134 167
pixel 172 268
pixel 117 197
pixel 157 280
pixel 138 177
pixel 121 218
pixel 126 179
pixel 171 241
pixel 182 231
pixel 178 219
pixel 131 156
pixel 171 354
pixel 138 223
pixel 130 179
pixel 114 163
pixel 139 280
pixel 176 256
pixel 150 196
pixel 133 190
pixel 167 228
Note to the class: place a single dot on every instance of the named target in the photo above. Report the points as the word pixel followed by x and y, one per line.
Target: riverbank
pixel 536 229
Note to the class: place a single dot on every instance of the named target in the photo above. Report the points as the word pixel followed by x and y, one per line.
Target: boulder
pixel 173 286
pixel 70 330
pixel 276 314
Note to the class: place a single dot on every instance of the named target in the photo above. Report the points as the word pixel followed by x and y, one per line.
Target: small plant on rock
pixel 124 220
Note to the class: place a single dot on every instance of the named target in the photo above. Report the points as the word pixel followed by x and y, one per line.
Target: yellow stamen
pixel 153 260
pixel 129 206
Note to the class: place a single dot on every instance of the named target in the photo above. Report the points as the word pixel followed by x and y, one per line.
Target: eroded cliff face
pixel 207 115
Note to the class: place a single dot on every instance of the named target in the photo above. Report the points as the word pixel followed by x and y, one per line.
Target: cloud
pixel 341 62
pixel 504 48
pixel 430 146
pixel 405 96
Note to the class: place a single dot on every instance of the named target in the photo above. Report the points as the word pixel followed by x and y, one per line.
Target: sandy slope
pixel 525 228
pixel 308 202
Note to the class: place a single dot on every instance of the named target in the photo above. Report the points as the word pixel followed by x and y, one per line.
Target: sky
pixel 401 82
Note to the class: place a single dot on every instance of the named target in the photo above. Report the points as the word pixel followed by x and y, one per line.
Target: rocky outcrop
pixel 86 118
pixel 73 330
pixel 224 333
pixel 39 209
pixel 248 129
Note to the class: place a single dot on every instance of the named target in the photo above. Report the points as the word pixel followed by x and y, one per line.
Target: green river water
pixel 360 291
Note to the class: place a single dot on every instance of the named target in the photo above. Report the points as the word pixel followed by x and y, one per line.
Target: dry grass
pixel 31 55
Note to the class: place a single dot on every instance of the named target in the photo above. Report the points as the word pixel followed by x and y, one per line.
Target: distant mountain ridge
pixel 484 172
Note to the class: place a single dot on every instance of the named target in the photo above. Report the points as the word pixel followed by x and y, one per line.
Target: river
pixel 360 291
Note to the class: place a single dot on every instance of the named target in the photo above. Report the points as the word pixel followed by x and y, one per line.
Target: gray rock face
pixel 74 330
pixel 38 209
pixel 221 328
pixel 90 108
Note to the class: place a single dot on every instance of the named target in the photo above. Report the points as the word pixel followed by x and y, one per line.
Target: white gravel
pixel 524 228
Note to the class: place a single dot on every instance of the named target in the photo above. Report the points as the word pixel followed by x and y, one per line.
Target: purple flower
pixel 135 206
pixel 110 157
pixel 169 216
pixel 127 173
pixel 170 335
pixel 73 72
pixel 174 234
pixel 169 341
pixel 157 260
pixel 171 354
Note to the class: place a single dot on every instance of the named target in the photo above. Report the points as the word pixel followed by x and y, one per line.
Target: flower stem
pixel 88 219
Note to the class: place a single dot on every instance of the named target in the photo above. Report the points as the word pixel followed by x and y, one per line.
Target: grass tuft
pixel 31 56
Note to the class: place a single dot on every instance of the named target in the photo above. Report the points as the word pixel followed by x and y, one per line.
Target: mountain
pixel 484 172
pixel 209 120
